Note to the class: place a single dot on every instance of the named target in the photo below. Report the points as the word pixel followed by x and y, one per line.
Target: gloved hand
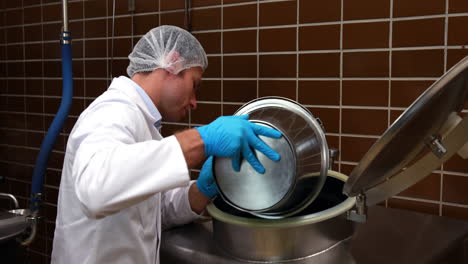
pixel 231 136
pixel 205 181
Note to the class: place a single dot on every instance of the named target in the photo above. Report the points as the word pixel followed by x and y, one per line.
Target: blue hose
pixel 57 124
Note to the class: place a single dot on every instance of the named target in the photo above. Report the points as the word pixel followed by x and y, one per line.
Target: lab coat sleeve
pixel 176 208
pixel 112 170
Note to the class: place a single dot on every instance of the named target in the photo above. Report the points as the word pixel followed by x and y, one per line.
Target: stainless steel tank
pixel 317 229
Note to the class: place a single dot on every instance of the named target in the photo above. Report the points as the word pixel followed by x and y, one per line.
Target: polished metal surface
pixel 274 244
pixel 251 191
pixel 424 166
pixel 13 222
pixel 407 137
pixel 389 236
pixel 11 225
pixel 334 153
pixel 11 197
pixel 65 15
pixel 307 140
pixel 319 227
pixel 194 244
pixel 398 236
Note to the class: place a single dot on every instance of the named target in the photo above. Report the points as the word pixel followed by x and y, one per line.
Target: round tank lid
pixel 422 138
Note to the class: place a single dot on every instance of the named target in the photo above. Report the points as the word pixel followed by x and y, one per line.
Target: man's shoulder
pixel 113 100
pixel 112 107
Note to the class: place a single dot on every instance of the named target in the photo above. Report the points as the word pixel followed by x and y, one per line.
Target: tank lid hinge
pixel 359 212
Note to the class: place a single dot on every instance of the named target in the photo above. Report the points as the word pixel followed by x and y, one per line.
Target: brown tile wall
pixel 356 64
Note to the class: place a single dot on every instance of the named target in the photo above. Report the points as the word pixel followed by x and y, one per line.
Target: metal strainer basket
pixel 283 190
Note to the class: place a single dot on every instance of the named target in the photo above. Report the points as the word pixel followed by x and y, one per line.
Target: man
pixel 122 183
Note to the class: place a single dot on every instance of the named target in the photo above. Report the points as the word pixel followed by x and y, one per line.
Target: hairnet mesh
pixel 166 47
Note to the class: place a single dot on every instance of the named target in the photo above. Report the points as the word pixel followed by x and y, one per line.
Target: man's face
pixel 178 94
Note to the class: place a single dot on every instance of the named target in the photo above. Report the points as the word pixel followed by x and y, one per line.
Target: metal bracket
pixel 333 156
pixel 359 213
pixel 320 123
pixel 436 146
pixel 65 38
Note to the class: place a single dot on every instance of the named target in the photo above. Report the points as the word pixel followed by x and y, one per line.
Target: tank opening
pixel 330 195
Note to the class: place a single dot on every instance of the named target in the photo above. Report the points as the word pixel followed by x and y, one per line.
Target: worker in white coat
pixel 122 182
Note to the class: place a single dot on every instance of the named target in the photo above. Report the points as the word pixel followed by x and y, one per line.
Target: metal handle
pixel 13 198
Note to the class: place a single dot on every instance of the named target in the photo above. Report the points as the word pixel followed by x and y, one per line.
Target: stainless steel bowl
pixel 321 226
pixel 283 190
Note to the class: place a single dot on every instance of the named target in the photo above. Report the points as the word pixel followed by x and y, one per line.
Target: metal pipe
pixel 27 241
pixel 65 15
pixel 54 129
pixel 13 198
pixel 112 40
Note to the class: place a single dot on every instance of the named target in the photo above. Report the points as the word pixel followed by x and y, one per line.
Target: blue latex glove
pixel 205 181
pixel 233 136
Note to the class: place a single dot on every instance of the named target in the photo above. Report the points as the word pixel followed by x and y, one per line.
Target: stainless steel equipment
pixel 389 236
pixel 12 222
pixel 321 226
pixel 286 188
pixel 428 133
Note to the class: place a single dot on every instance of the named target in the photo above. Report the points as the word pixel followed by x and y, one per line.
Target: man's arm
pixel 197 199
pixel 192 146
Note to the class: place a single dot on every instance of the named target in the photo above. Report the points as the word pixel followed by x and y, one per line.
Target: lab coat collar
pixel 122 84
pixel 146 99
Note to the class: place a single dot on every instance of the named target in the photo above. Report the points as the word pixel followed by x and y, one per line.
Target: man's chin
pixel 174 118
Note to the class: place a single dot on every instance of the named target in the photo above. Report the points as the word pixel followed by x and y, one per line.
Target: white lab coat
pixel 121 184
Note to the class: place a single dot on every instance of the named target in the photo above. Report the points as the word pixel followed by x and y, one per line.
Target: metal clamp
pixel 436 146
pixel 359 213
pixel 333 156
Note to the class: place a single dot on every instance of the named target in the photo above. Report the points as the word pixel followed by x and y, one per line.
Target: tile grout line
pixel 352 107
pixel 24 74
pixel 83 49
pixel 222 58
pixel 441 191
pixel 188 15
pixel 292 52
pixel 430 201
pixel 43 68
pixel 390 74
pixel 298 3
pixel 258 50
pixel 357 21
pixel 253 79
pixel 340 118
pixel 174 10
pixel 108 69
pixel 390 53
